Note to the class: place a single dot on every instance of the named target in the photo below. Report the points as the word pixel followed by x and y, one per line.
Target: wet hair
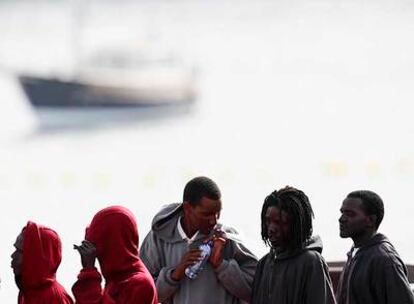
pixel 371 202
pixel 296 204
pixel 200 187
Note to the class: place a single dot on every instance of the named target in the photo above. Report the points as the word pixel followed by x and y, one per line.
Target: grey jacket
pixel 163 248
pixel 300 277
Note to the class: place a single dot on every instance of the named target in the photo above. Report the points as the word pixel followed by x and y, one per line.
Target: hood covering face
pixel 42 254
pixel 114 232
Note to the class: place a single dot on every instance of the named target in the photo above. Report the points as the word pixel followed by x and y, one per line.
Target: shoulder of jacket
pixel 264 259
pixel 384 254
pixel 311 255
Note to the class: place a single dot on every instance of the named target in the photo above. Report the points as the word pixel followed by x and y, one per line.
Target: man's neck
pixel 363 239
pixel 189 231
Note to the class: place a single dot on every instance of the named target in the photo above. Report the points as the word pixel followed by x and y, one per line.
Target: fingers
pixel 191 261
pixel 194 258
pixel 86 247
pixel 78 247
pixel 87 243
pixel 210 238
pixel 191 257
pixel 218 232
pixel 193 251
pixel 219 241
pixel 218 236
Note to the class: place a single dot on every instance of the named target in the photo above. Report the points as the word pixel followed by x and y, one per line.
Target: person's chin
pixel 275 243
pixel 18 280
pixel 343 234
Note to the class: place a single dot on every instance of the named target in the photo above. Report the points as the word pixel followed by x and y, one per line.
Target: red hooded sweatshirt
pixel 42 254
pixel 114 233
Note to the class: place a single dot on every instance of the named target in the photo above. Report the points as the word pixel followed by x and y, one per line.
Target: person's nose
pixel 341 219
pixel 272 228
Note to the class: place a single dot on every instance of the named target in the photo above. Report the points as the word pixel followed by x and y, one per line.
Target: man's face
pixel 278 224
pixel 17 255
pixel 353 221
pixel 204 215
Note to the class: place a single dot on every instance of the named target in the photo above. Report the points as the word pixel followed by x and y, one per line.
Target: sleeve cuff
pixel 222 267
pixel 169 279
pixel 90 272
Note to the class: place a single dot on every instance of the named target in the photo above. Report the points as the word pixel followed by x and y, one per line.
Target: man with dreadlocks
pixel 293 272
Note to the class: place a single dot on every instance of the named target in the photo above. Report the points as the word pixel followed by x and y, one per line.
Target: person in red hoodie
pixel 35 261
pixel 112 238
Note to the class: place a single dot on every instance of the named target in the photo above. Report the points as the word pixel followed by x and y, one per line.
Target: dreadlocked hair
pixel 296 204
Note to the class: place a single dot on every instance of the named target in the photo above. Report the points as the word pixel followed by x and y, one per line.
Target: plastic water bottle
pixel 193 270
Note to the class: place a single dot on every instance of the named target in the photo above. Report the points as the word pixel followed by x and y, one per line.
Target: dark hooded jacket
pixel 42 254
pixel 375 275
pixel 163 249
pixel 300 277
pixel 114 232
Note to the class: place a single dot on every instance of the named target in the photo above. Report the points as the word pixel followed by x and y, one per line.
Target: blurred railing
pixel 335 269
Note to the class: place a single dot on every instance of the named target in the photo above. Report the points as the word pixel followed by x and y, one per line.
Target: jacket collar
pixel 375 240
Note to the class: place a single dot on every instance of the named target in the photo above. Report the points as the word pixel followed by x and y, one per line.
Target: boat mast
pixel 76 26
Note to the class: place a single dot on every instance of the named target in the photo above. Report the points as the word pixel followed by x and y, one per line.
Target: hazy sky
pixel 314 94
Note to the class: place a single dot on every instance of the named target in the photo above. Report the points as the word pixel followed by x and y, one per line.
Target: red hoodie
pixel 42 254
pixel 114 233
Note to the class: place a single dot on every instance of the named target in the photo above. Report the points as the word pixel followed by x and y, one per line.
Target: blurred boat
pixel 115 79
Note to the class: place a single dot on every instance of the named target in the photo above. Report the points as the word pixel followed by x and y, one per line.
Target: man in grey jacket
pixel 172 245
pixel 374 272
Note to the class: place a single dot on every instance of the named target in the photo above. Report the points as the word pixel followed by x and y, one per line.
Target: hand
pixel 219 239
pixel 87 252
pixel 190 258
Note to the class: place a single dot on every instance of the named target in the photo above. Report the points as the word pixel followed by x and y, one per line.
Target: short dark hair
pixel 295 203
pixel 200 187
pixel 372 204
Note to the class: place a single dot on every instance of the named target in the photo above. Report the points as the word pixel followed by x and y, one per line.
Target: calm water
pixel 314 94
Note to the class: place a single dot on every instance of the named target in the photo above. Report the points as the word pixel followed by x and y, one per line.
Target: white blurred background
pixel 316 94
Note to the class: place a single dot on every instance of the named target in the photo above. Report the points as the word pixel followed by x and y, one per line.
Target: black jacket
pixel 375 275
pixel 293 278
